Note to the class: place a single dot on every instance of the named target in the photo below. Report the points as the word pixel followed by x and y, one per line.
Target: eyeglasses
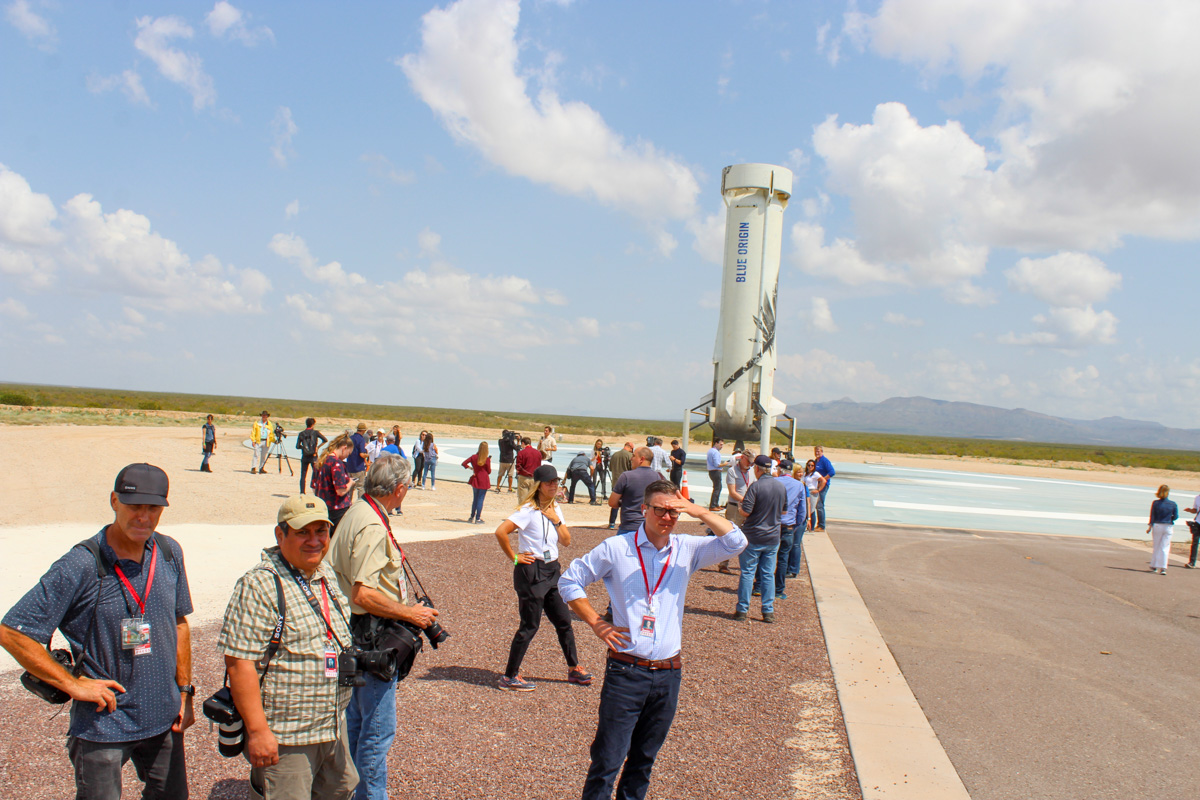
pixel 661 512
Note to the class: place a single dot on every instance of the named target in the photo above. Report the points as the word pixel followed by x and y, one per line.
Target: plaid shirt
pixel 302 705
pixel 328 479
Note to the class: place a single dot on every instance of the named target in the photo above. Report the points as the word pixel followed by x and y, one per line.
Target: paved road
pixel 1001 637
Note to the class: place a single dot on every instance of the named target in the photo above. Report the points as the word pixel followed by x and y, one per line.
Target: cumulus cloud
pixel 380 166
pixel 1071 280
pixel 228 22
pixel 154 39
pixel 129 82
pixel 32 25
pixel 1068 329
pixel 292 209
pixel 468 71
pixel 283 128
pixel 800 374
pixel 820 317
pixel 14 308
pixel 708 236
pixel 294 249
pixel 116 253
pixel 900 320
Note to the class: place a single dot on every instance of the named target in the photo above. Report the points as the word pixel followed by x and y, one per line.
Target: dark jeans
pixel 714 475
pixel 537 591
pixel 477 502
pixel 305 463
pixel 637 706
pixel 576 477
pixel 793 565
pixel 821 506
pixel 1195 529
pixel 677 476
pixel 158 760
pixel 612 515
pixel 208 451
pixel 787 537
pixel 335 516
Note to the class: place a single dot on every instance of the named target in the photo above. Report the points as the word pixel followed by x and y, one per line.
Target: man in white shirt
pixel 1194 527
pixel 642 676
pixel 547 444
pixel 662 461
pixel 376 445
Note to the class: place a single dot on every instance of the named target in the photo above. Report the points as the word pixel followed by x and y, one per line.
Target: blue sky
pixel 516 206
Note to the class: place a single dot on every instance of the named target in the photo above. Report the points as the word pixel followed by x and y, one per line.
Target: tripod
pixel 280 456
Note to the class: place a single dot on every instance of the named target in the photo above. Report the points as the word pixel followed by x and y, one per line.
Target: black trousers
pixel 1195 529
pixel 714 475
pixel 537 591
pixel 306 462
pixel 602 483
pixel 158 760
pixel 576 477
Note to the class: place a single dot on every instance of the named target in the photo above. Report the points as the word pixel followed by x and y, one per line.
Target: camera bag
pixel 63 656
pixel 376 633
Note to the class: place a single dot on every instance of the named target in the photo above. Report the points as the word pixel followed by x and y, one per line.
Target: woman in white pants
pixel 1163 513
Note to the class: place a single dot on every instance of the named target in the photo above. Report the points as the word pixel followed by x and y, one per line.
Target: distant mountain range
pixel 922 416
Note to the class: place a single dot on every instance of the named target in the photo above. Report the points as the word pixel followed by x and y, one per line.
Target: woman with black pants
pixel 540 529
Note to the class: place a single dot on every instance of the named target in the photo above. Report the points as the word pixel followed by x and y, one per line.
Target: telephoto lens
pixel 435 633
pixel 231 738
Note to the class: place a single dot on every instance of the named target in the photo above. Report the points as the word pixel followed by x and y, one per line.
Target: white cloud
pixel 587 326
pixel 311 317
pixel 154 39
pixel 12 307
pixel 1068 329
pixel 708 236
pixel 32 25
pixel 800 375
pixel 129 82
pixel 430 242
pixel 1071 382
pixel 283 128
pixel 820 317
pixel 292 209
pixel 1067 279
pixel 114 253
pixel 291 247
pixel 227 22
pixel 900 320
pixel 468 72
pixel 839 261
pixel 382 167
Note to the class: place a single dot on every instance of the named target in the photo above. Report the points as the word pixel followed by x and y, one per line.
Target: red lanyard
pixel 141 601
pixel 325 608
pixel 645 577
pixel 386 523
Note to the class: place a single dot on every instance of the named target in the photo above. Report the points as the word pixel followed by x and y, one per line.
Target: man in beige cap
pixel 359 459
pixel 295 721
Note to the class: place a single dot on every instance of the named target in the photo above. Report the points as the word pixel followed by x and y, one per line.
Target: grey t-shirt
pixel 763 506
pixel 632 488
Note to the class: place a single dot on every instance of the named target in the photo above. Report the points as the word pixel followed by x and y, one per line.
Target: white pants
pixel 1161 532
pixel 259 457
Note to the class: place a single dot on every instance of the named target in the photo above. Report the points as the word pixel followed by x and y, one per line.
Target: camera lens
pixel 231 739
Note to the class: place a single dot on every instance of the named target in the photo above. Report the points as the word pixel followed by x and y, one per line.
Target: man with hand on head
pixel 121 599
pixel 292 708
pixel 646 573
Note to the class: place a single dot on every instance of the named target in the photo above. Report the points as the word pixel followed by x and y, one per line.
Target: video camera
pixel 279 433
pixel 605 455
pixel 512 437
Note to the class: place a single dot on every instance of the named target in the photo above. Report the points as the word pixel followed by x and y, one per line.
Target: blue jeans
pixel 750 559
pixel 821 506
pixel 793 562
pixel 477 502
pixel 430 470
pixel 637 706
pixel 787 538
pixel 370 728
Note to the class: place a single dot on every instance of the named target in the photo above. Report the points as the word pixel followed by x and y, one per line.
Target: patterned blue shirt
pixel 64 599
pixel 616 563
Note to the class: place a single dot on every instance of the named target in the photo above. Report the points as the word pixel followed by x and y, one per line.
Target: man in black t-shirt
pixel 308 441
pixel 678 457
pixel 510 442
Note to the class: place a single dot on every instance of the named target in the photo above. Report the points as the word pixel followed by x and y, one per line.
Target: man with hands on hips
pixel 646 573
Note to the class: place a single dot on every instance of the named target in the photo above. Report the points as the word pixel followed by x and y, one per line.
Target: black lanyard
pixel 311 597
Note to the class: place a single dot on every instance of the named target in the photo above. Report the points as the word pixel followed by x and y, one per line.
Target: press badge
pixel 647 626
pixel 546 556
pixel 331 669
pixel 135 635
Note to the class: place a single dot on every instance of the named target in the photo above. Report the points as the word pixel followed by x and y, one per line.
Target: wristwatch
pixel 189 690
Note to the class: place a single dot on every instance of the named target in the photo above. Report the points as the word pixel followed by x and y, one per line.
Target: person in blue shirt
pixel 716 468
pixel 646 573
pixel 825 470
pixel 1163 513
pixel 208 434
pixel 791 524
pixel 357 462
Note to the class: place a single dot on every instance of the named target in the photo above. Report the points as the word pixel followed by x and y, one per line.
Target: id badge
pixel 135 635
pixel 331 668
pixel 647 628
pixel 546 556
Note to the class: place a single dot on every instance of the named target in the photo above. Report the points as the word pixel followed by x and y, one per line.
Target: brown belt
pixel 667 663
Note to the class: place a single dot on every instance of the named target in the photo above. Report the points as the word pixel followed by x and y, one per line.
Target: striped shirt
pixel 301 704
pixel 615 561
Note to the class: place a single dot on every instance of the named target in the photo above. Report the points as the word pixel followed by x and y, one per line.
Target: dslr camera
pixel 435 633
pixel 354 661
pixel 220 709
pixel 605 455
pixel 44 690
pixel 279 434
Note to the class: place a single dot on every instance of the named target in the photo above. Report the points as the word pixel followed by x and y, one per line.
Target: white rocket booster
pixel 743 405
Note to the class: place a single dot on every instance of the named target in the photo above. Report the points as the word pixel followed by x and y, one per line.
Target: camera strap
pixel 276 635
pixel 311 597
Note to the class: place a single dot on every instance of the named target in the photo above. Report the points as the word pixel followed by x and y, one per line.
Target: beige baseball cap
pixel 302 509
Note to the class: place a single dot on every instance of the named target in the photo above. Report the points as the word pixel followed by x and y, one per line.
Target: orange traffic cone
pixel 683 487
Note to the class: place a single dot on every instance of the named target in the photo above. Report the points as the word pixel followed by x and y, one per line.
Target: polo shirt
pixel 393 450
pixel 632 488
pixel 824 467
pixel 737 478
pixel 354 462
pixel 763 507
pixel 64 599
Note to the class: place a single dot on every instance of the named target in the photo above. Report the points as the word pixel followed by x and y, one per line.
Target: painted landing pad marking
pixel 1012 512
pixel 1104 486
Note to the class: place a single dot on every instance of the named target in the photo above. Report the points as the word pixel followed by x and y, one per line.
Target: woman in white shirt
pixel 540 528
pixel 814 482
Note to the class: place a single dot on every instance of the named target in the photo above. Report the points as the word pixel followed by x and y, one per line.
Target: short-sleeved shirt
pixel 65 597
pixel 535 533
pixel 326 481
pixel 391 449
pixel 738 478
pixel 632 488
pixel 797 494
pixel 546 446
pixel 354 462
pixel 302 705
pixel 763 506
pixel 210 432
pixel 374 448
pixel 507 451
pixel 362 552
pixel 619 462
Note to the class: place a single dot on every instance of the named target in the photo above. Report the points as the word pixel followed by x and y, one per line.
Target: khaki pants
pixel 524 484
pixel 506 471
pixel 323 771
pixel 733 513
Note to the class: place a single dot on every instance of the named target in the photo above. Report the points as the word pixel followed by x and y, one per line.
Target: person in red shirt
pixel 529 459
pixel 480 465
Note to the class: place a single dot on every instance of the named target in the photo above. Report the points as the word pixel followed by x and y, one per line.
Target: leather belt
pixel 673 662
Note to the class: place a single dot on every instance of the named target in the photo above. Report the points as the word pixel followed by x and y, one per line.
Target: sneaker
pixel 769 616
pixel 612 527
pixel 1153 570
pixel 1189 566
pixel 578 677
pixel 756 593
pixel 781 595
pixel 515 684
pixel 479 520
pixel 790 574
pixel 740 616
pixel 1162 572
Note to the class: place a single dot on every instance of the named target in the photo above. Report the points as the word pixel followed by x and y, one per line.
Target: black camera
pixel 279 433
pixel 605 455
pixel 353 661
pixel 219 708
pixel 44 690
pixel 435 633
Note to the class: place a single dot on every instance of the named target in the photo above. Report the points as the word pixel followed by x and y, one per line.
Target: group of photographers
pixel 315 638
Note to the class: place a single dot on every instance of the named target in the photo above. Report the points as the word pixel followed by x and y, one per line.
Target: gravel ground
pixel 758 714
